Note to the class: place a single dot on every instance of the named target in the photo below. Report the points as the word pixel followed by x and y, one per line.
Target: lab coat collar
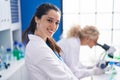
pixel 35 37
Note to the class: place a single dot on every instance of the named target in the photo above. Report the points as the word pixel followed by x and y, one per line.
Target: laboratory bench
pixel 110 75
pixel 16 71
pixel 112 72
pixel 107 76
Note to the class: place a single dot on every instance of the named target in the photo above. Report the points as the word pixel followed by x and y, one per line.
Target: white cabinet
pixel 10 22
pixel 10 31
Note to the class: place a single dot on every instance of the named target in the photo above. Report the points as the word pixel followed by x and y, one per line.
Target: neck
pixel 40 35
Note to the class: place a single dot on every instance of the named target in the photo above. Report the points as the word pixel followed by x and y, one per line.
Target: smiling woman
pixel 42 56
pixel 48 24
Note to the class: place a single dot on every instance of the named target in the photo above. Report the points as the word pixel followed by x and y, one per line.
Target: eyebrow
pixel 53 18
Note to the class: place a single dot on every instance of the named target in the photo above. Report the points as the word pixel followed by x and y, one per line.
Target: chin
pixel 49 35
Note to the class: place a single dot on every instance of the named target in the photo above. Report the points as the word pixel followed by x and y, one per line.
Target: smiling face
pixel 47 24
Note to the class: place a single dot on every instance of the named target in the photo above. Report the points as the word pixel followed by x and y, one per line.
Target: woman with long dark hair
pixel 42 55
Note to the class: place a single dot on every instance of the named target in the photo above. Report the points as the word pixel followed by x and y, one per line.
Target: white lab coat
pixel 42 63
pixel 70 55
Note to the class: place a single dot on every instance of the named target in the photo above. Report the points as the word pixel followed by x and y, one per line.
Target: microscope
pixel 109 50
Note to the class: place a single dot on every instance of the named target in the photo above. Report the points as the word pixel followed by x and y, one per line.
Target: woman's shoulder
pixel 37 51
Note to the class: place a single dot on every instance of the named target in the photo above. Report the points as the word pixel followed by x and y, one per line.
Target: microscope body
pixel 109 51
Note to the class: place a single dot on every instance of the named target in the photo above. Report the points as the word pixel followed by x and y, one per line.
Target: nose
pixel 54 26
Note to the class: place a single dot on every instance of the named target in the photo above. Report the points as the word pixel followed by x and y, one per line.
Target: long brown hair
pixel 53 45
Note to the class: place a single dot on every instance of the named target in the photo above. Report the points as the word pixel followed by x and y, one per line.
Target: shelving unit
pixel 10 31
pixel 10 22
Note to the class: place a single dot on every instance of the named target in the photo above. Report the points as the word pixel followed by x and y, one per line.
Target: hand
pixel 98 71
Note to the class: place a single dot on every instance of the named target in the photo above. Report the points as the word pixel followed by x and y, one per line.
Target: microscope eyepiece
pixel 109 49
pixel 105 46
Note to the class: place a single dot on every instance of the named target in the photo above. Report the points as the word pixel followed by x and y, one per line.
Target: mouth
pixel 50 31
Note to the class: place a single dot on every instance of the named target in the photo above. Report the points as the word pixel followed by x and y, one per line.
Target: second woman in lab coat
pixel 71 49
pixel 42 58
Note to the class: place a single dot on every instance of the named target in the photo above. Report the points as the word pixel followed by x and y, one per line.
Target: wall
pixel 28 8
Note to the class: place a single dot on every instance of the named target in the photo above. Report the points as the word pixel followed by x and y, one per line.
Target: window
pixel 104 14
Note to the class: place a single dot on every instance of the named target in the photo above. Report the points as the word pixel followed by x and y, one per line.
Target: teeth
pixel 50 31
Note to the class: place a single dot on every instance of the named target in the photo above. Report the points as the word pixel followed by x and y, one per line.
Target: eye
pixel 57 23
pixel 52 21
pixel 49 20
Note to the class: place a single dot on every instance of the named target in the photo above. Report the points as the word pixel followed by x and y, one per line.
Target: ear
pixel 36 19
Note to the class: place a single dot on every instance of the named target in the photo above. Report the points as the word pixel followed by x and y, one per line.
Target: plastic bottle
pixel 113 70
pixel 22 50
pixel 3 58
pixel 0 58
pixel 1 63
pixel 16 52
pixel 8 56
